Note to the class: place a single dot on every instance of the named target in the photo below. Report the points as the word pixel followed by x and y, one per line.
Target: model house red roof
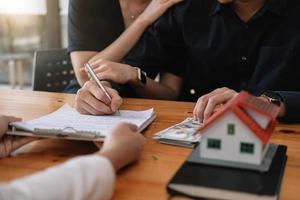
pixel 240 106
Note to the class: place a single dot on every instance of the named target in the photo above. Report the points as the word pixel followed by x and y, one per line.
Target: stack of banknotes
pixel 182 134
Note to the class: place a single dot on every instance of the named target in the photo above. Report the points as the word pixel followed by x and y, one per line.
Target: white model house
pixel 240 131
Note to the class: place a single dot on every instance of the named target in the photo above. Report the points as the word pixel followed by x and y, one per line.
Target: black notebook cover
pixel 245 181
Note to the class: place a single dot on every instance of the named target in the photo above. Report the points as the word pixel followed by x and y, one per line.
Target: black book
pixel 213 182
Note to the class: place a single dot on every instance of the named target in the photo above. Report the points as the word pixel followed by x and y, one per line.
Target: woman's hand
pixel 116 72
pixel 207 104
pixel 155 9
pixel 9 143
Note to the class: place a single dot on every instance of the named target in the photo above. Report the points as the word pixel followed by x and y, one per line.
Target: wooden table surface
pixel 147 178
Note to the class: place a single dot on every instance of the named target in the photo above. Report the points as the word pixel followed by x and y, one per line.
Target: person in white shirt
pixel 86 177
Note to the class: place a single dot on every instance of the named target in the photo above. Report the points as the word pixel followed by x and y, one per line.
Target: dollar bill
pixel 182 134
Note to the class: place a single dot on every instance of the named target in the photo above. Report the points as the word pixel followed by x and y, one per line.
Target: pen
pixel 95 78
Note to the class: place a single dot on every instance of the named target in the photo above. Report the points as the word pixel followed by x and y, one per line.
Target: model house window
pixel 247 148
pixel 213 144
pixel 230 129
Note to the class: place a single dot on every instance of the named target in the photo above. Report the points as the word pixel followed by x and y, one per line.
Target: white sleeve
pixel 87 177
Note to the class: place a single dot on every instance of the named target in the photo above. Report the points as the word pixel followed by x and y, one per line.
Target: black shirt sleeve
pixel 160 48
pixel 93 25
pixel 291 100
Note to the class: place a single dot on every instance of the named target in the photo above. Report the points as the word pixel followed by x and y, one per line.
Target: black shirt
pixel 207 44
pixel 292 106
pixel 92 26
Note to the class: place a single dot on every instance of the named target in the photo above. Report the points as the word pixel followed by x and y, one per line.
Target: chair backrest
pixel 52 70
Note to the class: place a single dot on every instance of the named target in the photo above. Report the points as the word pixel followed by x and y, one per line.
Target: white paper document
pixel 66 121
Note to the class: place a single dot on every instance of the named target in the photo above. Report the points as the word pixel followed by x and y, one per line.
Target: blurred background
pixel 25 26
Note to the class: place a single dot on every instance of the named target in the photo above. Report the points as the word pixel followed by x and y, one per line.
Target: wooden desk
pixel 146 179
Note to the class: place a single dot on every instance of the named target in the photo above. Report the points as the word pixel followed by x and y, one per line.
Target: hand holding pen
pixel 96 99
pixel 92 74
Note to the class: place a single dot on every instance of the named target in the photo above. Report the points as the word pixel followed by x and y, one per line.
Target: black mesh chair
pixel 52 70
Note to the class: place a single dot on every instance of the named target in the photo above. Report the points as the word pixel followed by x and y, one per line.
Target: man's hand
pixel 123 146
pixel 90 99
pixel 207 104
pixel 9 143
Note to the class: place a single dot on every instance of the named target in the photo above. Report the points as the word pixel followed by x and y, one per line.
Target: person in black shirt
pixel 241 45
pixel 105 31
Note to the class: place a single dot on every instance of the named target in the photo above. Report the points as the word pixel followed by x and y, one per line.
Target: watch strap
pixel 273 97
pixel 142 77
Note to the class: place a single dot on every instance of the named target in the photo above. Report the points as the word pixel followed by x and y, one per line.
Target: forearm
pixel 120 47
pixel 167 88
pixel 90 177
pixel 156 90
pixel 79 58
pixel 114 52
